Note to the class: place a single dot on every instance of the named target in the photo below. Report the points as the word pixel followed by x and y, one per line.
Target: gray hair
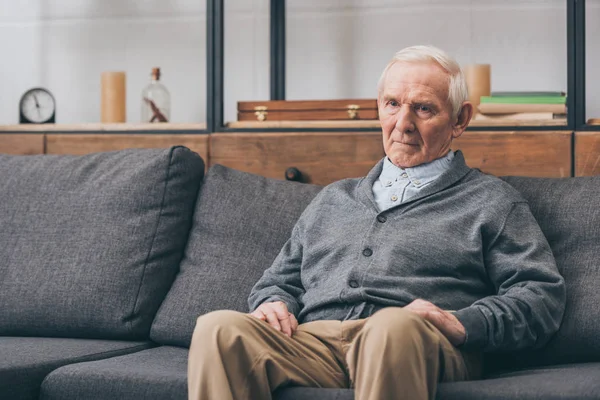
pixel 457 86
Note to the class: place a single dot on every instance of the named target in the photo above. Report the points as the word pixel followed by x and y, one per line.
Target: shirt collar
pixel 419 175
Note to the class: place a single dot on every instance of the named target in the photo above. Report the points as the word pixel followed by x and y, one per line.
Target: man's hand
pixel 277 315
pixel 445 321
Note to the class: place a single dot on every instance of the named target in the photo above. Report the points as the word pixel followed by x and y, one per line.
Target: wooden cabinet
pixel 23 144
pixel 79 144
pixel 535 153
pixel 321 157
pixel 587 153
pixel 324 157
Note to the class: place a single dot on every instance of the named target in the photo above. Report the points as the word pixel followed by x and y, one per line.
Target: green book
pixel 524 99
pixel 529 94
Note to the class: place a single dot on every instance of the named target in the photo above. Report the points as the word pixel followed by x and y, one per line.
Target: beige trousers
pixel 394 354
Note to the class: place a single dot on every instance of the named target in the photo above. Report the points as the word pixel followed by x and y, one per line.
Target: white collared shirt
pixel 396 185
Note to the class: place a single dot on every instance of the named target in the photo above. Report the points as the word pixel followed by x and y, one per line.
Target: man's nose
pixel 405 119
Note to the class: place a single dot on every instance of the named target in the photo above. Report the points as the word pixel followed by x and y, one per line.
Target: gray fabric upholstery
pixel 568 213
pixel 240 224
pixel 159 373
pixel 89 245
pixel 25 362
pixel 297 393
pixel 564 382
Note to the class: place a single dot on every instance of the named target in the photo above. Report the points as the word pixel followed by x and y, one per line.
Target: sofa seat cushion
pixel 89 245
pixel 561 382
pixel 159 373
pixel 299 393
pixel 154 374
pixel 240 224
pixel 25 362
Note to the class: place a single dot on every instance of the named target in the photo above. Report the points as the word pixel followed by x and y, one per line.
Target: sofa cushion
pixel 89 245
pixel 159 373
pixel 562 382
pixel 25 362
pixel 567 211
pixel 240 224
pixel 300 393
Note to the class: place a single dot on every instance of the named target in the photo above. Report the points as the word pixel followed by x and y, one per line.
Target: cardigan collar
pixel 458 169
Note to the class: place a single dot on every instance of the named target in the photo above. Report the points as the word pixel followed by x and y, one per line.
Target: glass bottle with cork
pixel 156 100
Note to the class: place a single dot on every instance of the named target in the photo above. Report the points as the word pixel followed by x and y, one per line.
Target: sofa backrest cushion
pixel 89 245
pixel 568 211
pixel 240 224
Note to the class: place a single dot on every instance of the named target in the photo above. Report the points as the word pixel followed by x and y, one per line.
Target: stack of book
pixel 534 106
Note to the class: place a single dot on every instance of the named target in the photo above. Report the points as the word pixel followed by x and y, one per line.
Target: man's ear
pixel 464 118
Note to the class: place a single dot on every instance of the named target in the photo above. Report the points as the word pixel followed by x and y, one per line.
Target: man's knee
pixel 397 323
pixel 220 323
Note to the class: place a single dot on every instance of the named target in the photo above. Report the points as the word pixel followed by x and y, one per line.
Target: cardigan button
pixel 353 284
pixel 367 252
pixel 381 218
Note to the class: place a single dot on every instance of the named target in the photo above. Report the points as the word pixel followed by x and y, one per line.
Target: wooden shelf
pixel 587 153
pixel 304 124
pixel 98 127
pixel 85 143
pixel 258 125
pixel 375 124
pixel 516 122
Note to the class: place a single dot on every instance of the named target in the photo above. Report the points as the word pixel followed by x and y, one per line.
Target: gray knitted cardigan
pixel 468 242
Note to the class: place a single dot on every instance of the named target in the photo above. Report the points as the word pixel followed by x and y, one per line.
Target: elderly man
pixel 394 282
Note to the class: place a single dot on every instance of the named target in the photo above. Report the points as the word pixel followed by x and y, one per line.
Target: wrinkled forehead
pixel 426 77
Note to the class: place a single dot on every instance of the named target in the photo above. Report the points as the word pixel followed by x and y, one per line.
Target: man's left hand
pixel 445 321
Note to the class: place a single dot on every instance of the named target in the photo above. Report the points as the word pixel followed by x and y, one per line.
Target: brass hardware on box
pixel 353 111
pixel 261 113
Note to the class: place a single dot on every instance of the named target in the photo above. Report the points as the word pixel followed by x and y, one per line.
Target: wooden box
pixel 307 110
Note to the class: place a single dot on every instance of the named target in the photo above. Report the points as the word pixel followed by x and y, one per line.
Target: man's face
pixel 415 114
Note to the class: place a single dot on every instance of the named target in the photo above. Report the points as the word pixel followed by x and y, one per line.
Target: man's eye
pixel 393 103
pixel 423 108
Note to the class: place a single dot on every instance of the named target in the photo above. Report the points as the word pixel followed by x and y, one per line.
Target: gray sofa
pixel 107 259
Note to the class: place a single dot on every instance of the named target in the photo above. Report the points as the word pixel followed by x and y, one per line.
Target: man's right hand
pixel 277 315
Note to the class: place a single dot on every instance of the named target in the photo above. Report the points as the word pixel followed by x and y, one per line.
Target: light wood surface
pixel 322 158
pixel 541 154
pixel 126 127
pixel 25 144
pixel 518 122
pixel 304 124
pixel 374 124
pixel 587 153
pixel 90 143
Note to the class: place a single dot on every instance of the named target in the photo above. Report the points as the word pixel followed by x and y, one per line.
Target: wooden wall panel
pixel 540 154
pixel 80 144
pixel 322 157
pixel 22 144
pixel 587 153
